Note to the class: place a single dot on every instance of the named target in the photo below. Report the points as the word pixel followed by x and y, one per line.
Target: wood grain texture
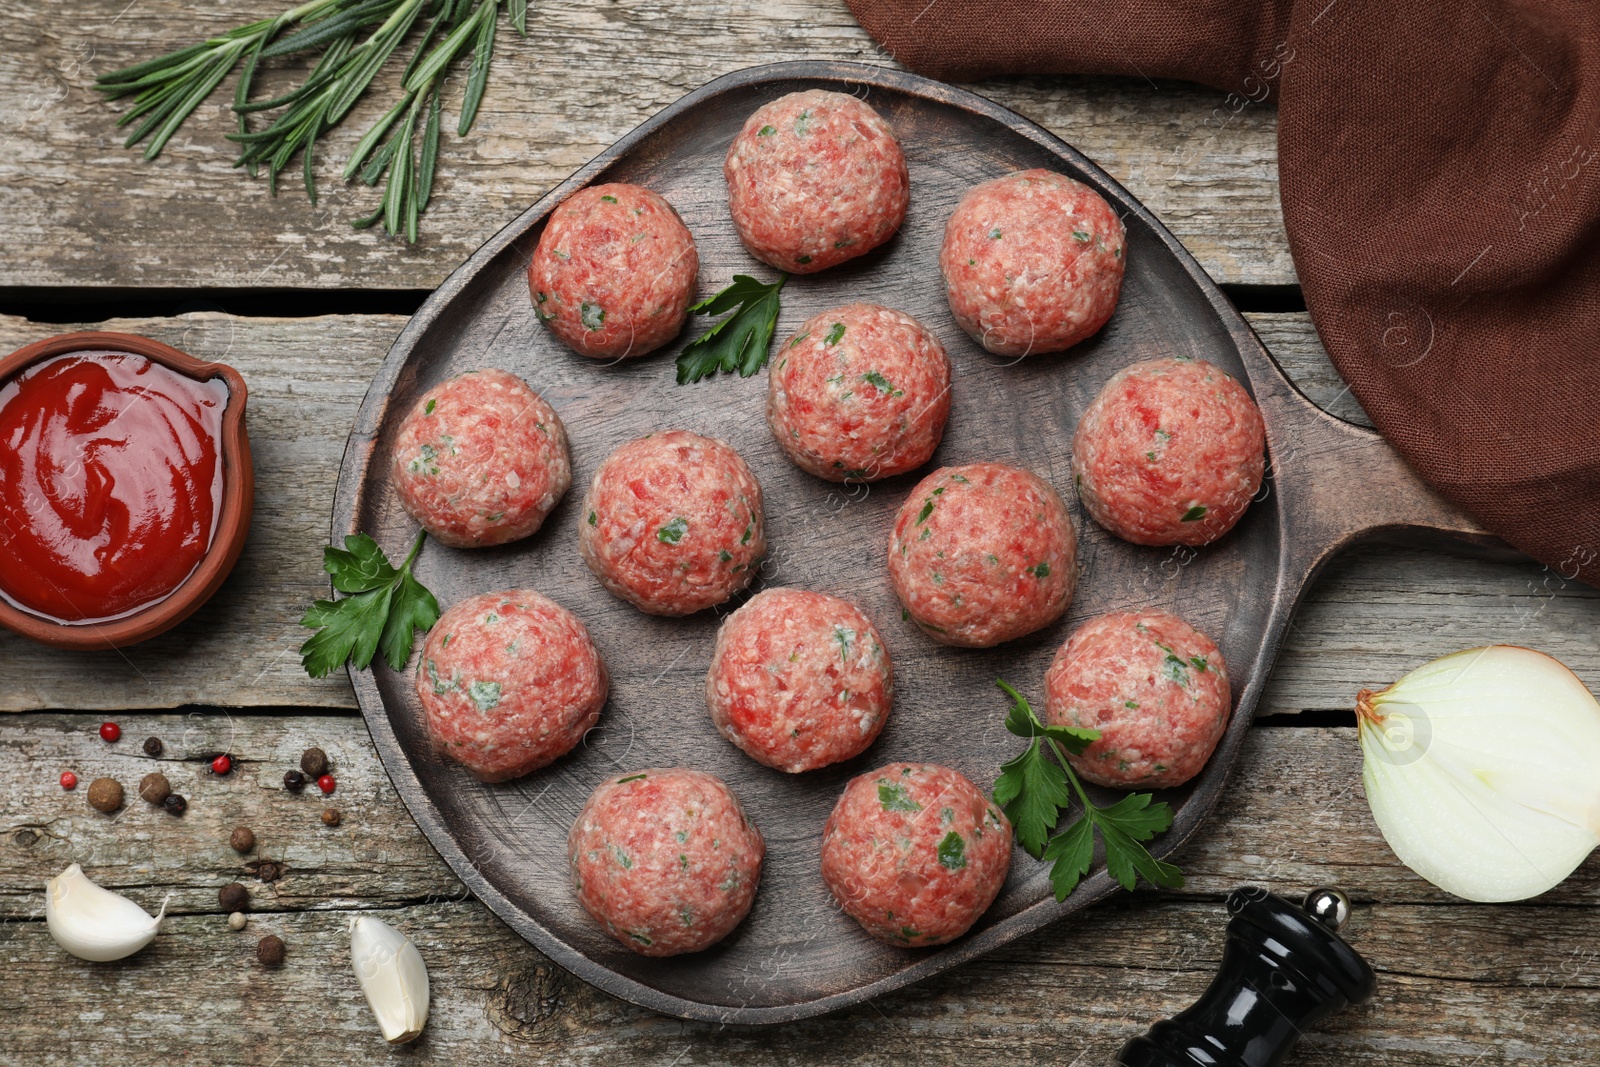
pixel 1376 613
pixel 78 209
pixel 1457 983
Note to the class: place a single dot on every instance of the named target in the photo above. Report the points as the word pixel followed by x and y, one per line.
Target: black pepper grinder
pixel 1284 970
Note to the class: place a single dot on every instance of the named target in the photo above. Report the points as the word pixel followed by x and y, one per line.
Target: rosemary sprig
pixel 355 39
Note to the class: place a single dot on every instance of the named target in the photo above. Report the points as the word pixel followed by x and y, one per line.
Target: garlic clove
pixel 94 923
pixel 392 975
pixel 1480 769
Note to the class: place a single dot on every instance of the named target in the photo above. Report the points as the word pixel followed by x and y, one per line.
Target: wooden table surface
pixel 190 251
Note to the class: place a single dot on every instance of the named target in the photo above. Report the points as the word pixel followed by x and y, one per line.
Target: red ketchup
pixel 110 483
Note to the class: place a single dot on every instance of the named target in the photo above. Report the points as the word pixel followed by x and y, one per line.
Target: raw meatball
pixel 614 272
pixel 672 523
pixel 481 460
pixel 509 682
pixel 814 179
pixel 860 393
pixel 666 860
pixel 915 853
pixel 1156 689
pixel 982 554
pixel 1170 453
pixel 799 680
pixel 1032 262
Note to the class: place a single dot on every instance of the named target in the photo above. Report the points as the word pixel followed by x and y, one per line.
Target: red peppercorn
pixel 69 780
pixel 221 765
pixel 110 731
pixel 326 783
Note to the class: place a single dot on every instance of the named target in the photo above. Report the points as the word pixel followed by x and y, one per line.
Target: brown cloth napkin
pixel 1439 165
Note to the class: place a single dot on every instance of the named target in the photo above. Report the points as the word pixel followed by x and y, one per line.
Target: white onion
pixel 1483 771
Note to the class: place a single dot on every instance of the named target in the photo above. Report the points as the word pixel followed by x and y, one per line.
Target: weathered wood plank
pixel 1459 984
pixel 1375 614
pixel 79 209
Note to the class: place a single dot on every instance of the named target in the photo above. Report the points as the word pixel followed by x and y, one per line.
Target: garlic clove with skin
pixel 1482 770
pixel 392 975
pixel 94 923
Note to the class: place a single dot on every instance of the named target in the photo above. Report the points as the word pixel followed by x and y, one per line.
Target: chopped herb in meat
pixel 673 531
pixel 893 797
pixel 952 851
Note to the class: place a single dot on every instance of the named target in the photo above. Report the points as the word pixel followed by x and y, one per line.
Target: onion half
pixel 1483 771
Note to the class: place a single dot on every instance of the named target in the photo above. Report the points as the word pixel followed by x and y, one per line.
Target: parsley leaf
pixel 384 606
pixel 1034 790
pixel 740 341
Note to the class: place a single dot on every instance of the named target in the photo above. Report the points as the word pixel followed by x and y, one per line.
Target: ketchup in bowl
pixel 111 483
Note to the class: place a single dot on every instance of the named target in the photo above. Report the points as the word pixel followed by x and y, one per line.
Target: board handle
pixel 1343 484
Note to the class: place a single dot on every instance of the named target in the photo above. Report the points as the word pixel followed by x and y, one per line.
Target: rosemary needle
pixel 354 40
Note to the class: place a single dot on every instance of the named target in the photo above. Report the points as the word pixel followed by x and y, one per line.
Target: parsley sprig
pixel 385 604
pixel 1033 790
pixel 740 341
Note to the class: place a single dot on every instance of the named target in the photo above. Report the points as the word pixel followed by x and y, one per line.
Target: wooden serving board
pixel 1330 485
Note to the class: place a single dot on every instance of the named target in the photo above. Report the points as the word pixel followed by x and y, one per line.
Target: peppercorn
pixel 154 787
pixel 269 871
pixel 243 839
pixel 175 804
pixel 294 781
pixel 69 780
pixel 153 747
pixel 110 731
pixel 233 897
pixel 314 762
pixel 221 765
pixel 330 816
pixel 105 794
pixel 327 784
pixel 269 950
pixel 236 921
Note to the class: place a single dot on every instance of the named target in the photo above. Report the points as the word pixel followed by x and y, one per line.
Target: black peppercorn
pixel 153 746
pixel 269 871
pixel 269 950
pixel 234 897
pixel 330 816
pixel 294 781
pixel 175 804
pixel 314 762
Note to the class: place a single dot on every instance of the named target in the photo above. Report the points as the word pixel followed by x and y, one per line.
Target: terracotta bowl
pixel 233 525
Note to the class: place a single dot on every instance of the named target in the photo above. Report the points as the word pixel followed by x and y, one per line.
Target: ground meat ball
pixel 815 178
pixel 915 853
pixel 614 272
pixel 799 680
pixel 1032 262
pixel 1170 453
pixel 1156 689
pixel 672 523
pixel 859 393
pixel 481 460
pixel 982 554
pixel 509 682
pixel 666 860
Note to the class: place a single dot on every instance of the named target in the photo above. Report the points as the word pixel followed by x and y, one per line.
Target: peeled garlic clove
pixel 1483 771
pixel 392 975
pixel 94 923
